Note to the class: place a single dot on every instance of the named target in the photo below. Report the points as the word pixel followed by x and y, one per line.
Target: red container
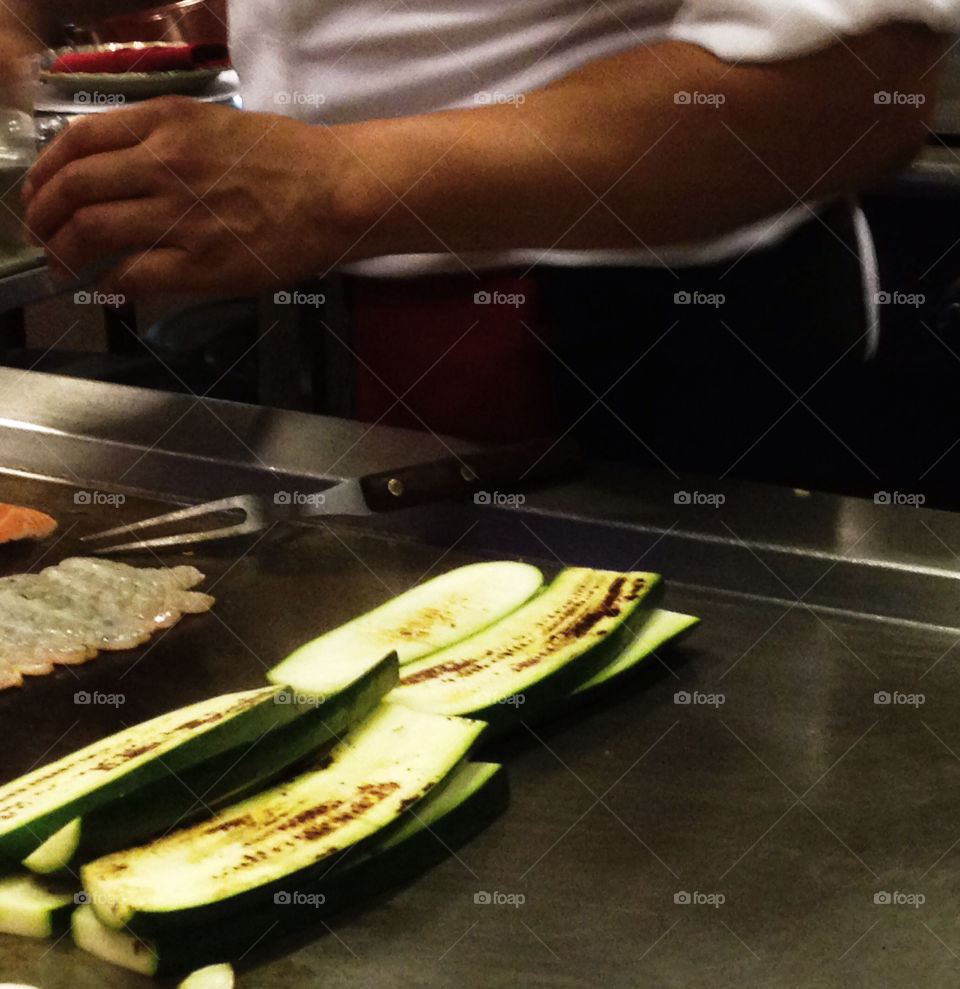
pixel 188 21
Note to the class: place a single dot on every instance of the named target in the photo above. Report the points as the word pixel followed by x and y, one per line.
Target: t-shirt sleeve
pixel 765 30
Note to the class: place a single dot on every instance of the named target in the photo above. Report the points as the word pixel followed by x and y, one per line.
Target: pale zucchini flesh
pixel 57 851
pixel 225 864
pixel 30 908
pixel 428 617
pixel 540 651
pixel 109 945
pixel 209 977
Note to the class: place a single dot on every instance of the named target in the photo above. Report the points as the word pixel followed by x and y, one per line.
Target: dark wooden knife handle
pixel 504 469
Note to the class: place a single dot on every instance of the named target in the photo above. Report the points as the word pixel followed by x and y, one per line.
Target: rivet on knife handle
pixel 512 466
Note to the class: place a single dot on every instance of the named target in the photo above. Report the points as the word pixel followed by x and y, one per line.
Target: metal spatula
pixel 405 487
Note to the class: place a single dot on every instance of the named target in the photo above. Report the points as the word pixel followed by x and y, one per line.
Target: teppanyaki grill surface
pixel 750 812
pixel 274 591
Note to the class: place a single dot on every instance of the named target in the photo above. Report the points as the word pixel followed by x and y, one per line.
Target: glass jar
pixel 18 149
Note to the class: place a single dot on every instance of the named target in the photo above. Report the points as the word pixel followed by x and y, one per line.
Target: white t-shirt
pixel 332 62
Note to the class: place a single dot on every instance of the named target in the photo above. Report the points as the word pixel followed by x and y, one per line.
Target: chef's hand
pixel 198 199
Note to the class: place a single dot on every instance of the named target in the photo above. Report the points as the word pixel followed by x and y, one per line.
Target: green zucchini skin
pixel 661 628
pixel 475 795
pixel 249 715
pixel 173 802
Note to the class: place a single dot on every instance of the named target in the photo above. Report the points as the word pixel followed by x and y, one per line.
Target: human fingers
pixel 95 134
pixel 102 231
pixel 83 183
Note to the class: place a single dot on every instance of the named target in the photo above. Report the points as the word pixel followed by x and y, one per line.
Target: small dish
pixel 118 87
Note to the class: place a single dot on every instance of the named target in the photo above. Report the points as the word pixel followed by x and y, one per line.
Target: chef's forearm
pixel 608 157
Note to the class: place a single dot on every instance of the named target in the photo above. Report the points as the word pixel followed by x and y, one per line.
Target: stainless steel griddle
pixel 799 799
pixel 24 279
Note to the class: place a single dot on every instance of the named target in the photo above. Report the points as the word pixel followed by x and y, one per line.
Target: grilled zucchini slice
pixel 428 617
pixel 177 799
pixel 444 820
pixel 538 654
pixel 152 754
pixel 285 836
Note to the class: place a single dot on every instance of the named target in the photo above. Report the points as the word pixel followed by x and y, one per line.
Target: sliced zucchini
pixel 475 794
pixel 57 851
pixel 660 628
pixel 194 793
pixel 428 617
pixel 284 835
pixel 31 909
pixel 446 818
pixel 109 945
pixel 211 977
pixel 34 806
pixel 537 654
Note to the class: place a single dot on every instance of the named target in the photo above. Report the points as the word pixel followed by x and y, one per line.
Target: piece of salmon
pixel 17 522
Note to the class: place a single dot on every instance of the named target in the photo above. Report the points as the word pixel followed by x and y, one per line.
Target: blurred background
pixel 903 415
